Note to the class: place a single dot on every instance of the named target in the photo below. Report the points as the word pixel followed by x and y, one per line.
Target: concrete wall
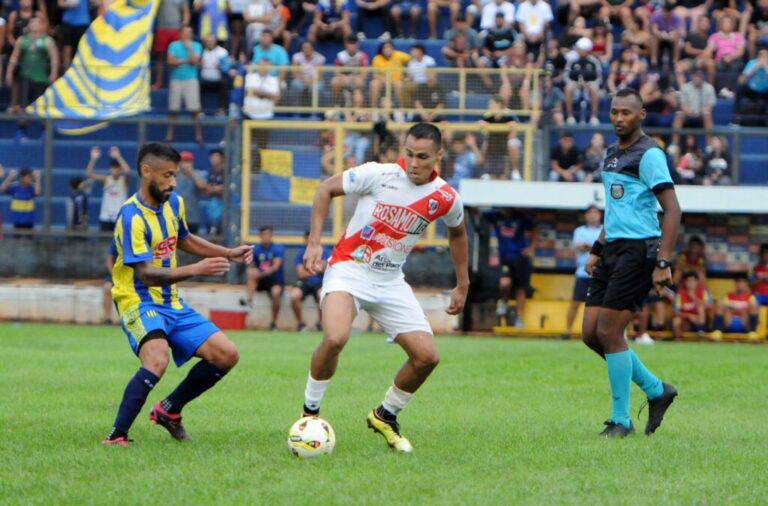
pixel 81 302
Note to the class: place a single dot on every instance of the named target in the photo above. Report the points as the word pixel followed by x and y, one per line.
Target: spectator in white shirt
pixel 214 64
pixel 488 19
pixel 262 91
pixel 307 59
pixel 533 20
pixel 416 71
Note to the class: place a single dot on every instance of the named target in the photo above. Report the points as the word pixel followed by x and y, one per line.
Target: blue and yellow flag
pixel 279 180
pixel 110 74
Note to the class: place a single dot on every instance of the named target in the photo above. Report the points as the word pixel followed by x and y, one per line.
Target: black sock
pixel 385 415
pixel 135 396
pixel 311 412
pixel 201 377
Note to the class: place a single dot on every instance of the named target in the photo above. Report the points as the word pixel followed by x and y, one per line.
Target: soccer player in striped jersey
pixel 150 227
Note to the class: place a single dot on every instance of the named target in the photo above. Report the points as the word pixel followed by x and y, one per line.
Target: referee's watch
pixel 663 264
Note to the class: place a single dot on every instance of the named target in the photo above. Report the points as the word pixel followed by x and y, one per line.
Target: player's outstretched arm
pixel 196 245
pixel 328 189
pixel 151 275
pixel 457 242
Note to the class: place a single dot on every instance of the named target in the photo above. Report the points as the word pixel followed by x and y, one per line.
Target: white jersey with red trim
pixel 391 214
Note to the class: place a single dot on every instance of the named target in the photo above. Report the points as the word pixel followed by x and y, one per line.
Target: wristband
pixel 597 248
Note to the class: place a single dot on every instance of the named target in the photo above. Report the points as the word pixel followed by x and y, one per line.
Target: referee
pixel 631 255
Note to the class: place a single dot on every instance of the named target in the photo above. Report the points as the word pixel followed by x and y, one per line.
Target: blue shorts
pixel 186 329
pixel 737 326
pixel 762 299
pixel 580 289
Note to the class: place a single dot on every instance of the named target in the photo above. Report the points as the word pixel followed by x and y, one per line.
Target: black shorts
pixel 623 275
pixel 307 290
pixel 519 270
pixel 266 283
pixel 580 289
pixel 71 35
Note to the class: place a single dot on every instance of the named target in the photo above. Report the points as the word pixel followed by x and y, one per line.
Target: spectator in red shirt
pixel 737 313
pixel 760 277
pixel 690 306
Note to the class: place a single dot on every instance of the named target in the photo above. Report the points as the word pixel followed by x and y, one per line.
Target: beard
pixel 158 194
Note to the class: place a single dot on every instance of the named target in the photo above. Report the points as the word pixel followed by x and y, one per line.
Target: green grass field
pixel 499 422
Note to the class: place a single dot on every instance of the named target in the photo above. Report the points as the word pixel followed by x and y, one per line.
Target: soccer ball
pixel 311 437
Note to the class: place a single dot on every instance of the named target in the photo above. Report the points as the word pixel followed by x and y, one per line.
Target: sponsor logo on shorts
pixel 383 263
pixel 617 190
pixel 400 219
pixel 362 254
pixel 393 244
pixel 367 232
pixel 433 205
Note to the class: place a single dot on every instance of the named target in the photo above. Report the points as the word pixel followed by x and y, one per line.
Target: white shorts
pixel 188 91
pixel 393 306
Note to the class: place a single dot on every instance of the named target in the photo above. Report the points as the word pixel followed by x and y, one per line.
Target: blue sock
pixel 753 323
pixel 620 378
pixel 644 378
pixel 133 399
pixel 200 378
pixel 719 324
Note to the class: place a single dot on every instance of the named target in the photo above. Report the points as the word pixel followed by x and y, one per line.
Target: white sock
pixel 395 400
pixel 314 392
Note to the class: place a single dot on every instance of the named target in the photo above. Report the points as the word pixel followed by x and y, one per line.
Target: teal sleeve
pixel 654 171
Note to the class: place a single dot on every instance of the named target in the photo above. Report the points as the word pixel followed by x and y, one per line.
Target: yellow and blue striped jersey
pixel 144 233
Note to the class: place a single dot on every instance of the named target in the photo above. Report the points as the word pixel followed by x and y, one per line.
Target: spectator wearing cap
pixel 583 76
pixel 727 47
pixel 22 193
pixel 498 44
pixel 753 88
pixel 694 53
pixel 667 30
pixel 115 185
pixel 565 161
pixel 697 98
pixel 493 9
pixel 462 44
pixel 534 18
pixel 190 185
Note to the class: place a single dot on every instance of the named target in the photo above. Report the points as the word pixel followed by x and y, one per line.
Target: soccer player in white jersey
pixel 397 201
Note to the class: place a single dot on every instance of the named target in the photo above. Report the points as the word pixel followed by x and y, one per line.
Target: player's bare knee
pixel 335 341
pixel 156 363
pixel 230 357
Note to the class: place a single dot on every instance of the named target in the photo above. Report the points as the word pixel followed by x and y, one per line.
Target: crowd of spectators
pixel 682 57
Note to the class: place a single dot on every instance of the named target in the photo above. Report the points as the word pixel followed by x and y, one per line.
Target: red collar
pixel 432 177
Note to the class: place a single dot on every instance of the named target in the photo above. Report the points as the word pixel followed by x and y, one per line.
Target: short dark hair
pixel 695 239
pixel 74 182
pixel 113 162
pixel 420 47
pixel 351 39
pixel 25 171
pixel 591 206
pixel 269 32
pixel 629 92
pixel 426 131
pixel 265 228
pixel 216 151
pixel 159 150
pixel 690 274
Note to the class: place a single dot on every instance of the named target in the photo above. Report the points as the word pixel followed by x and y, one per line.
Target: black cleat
pixel 613 429
pixel 171 422
pixel 658 407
